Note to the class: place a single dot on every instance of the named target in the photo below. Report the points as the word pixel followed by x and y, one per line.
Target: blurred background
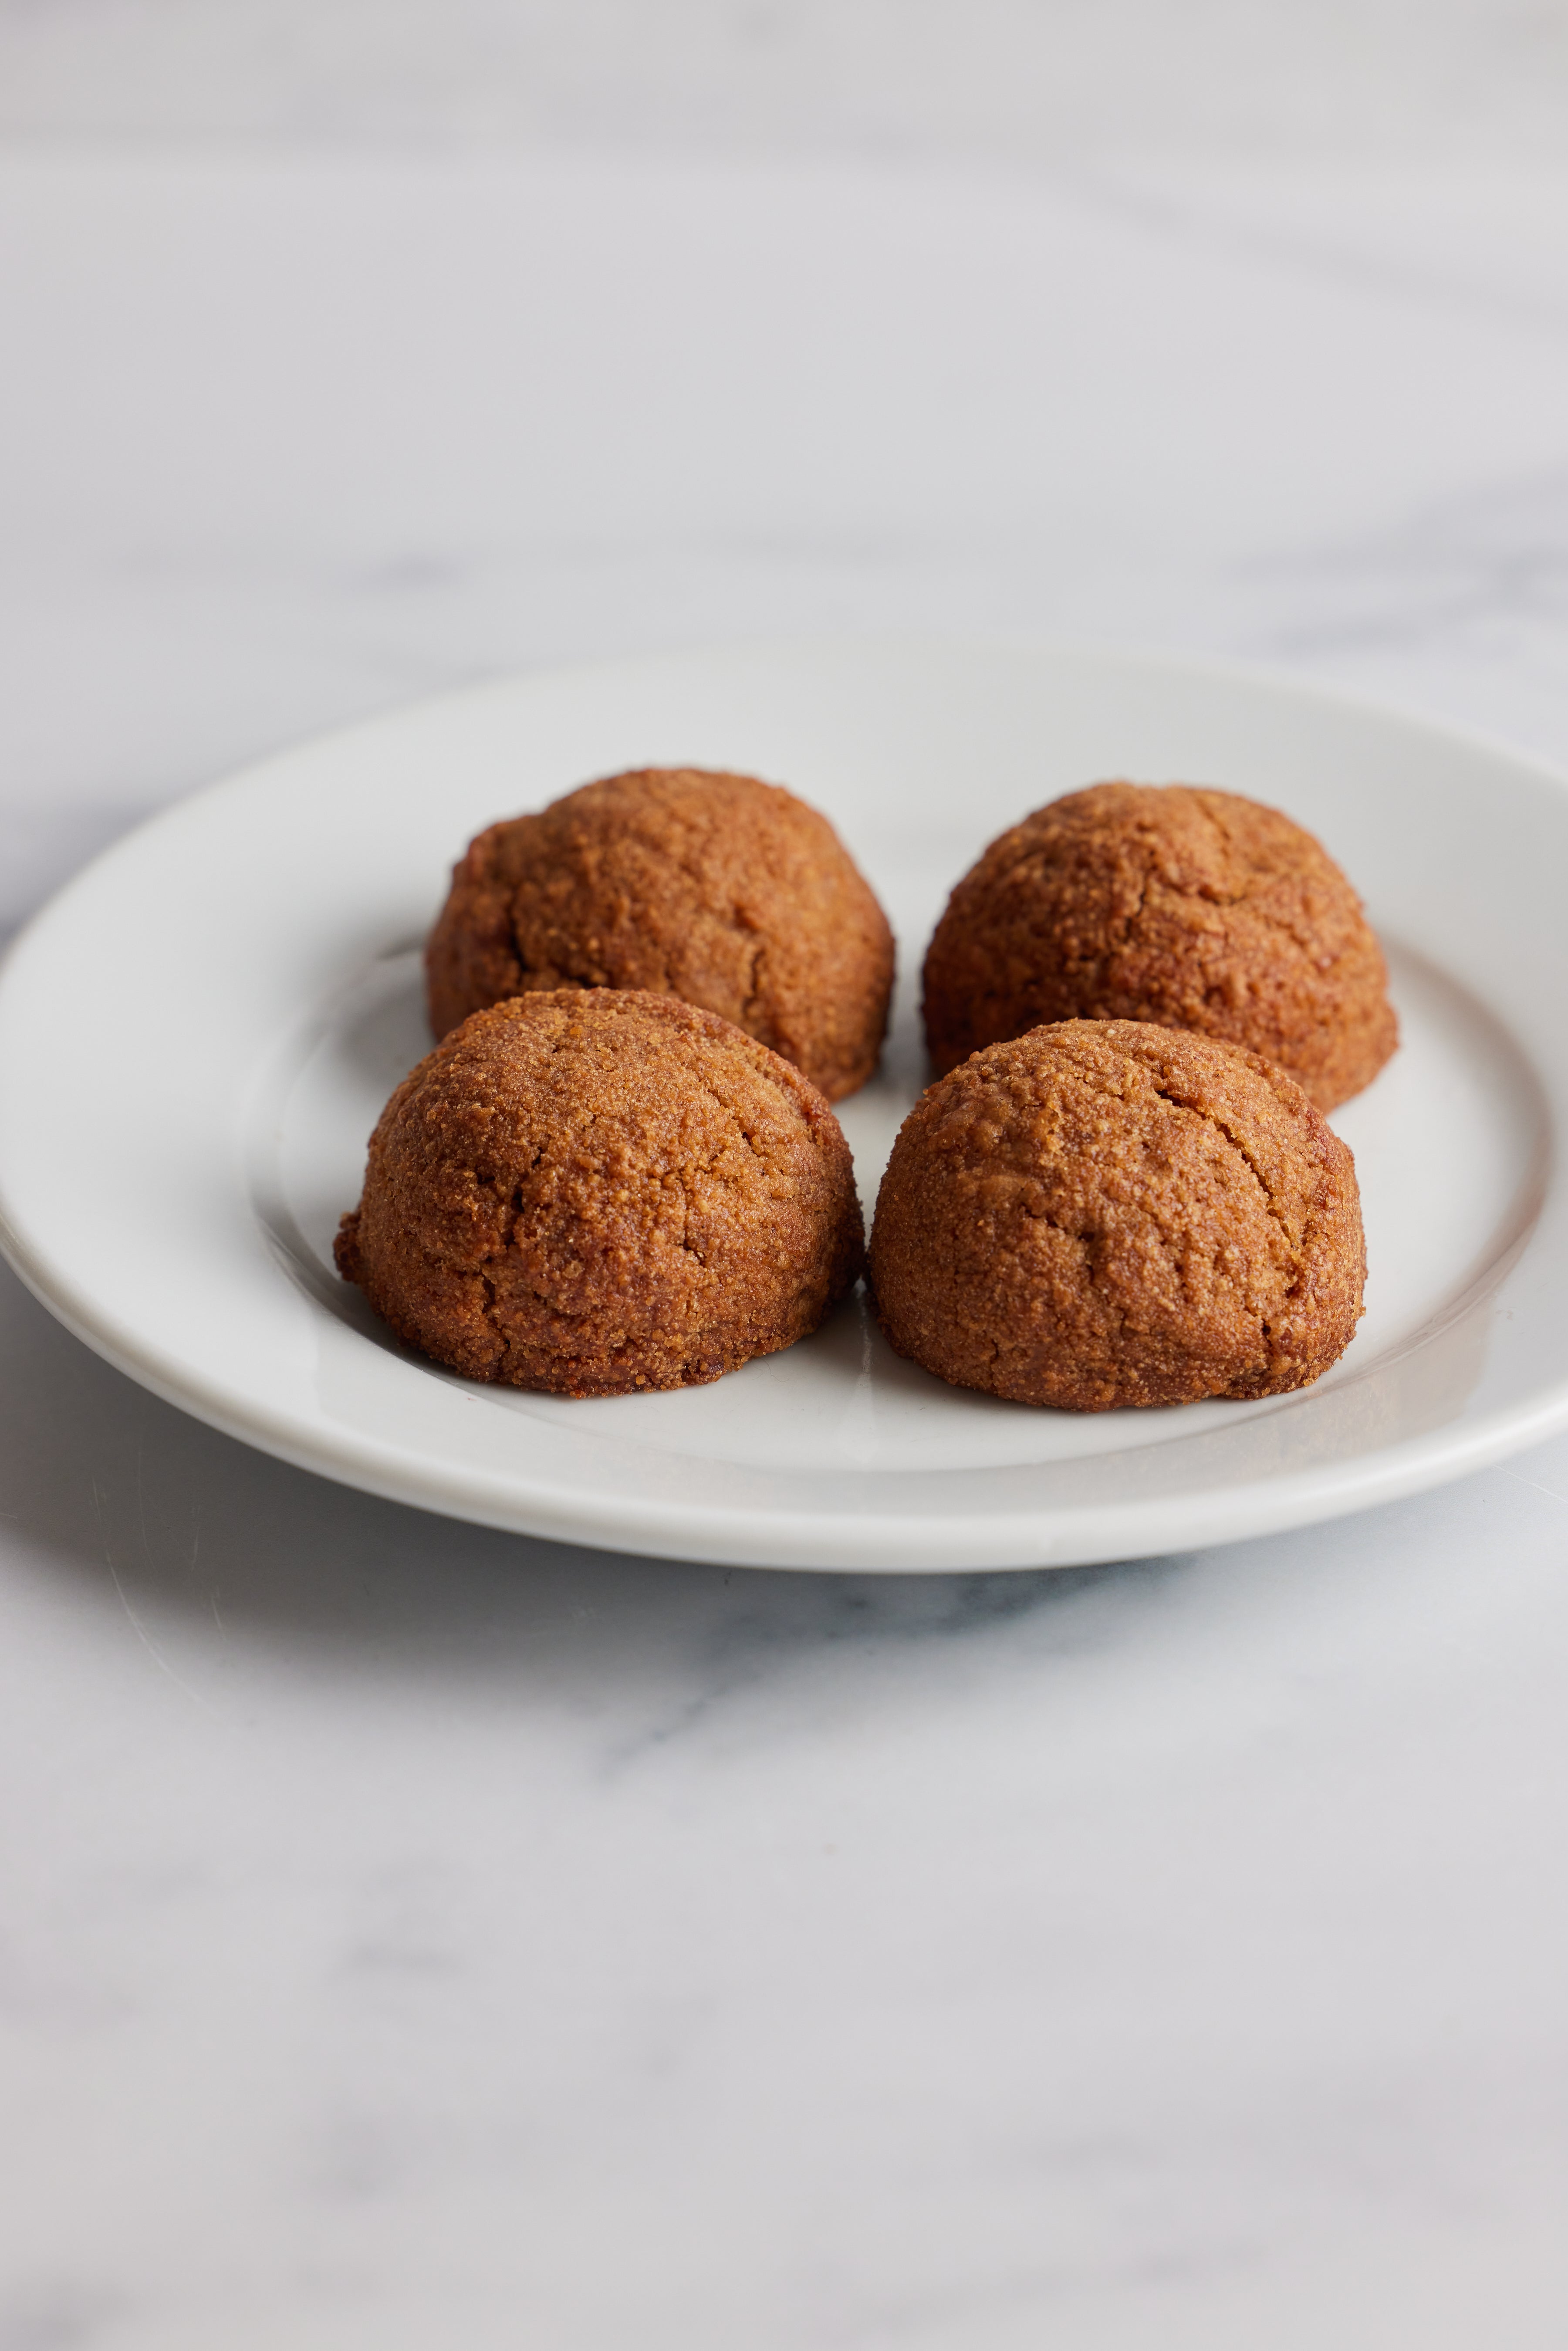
pixel 1026 81
pixel 354 350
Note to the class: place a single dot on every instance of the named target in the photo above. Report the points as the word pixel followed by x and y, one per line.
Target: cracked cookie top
pixel 1191 908
pixel 730 893
pixel 1106 1213
pixel 595 1192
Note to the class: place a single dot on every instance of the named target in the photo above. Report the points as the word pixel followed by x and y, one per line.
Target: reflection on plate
pixel 240 1107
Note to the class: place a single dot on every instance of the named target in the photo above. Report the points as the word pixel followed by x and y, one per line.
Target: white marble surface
pixel 413 1936
pixel 1031 79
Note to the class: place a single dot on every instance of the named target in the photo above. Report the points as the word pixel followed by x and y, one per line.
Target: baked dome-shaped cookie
pixel 591 1192
pixel 1191 908
pixel 730 893
pixel 1108 1213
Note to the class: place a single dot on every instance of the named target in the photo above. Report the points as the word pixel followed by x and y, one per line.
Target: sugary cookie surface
pixel 593 1192
pixel 1191 908
pixel 729 892
pixel 1108 1213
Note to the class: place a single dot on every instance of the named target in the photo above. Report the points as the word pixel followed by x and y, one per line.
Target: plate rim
pixel 654 1526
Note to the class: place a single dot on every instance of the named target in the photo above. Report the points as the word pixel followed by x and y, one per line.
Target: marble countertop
pixel 412 1936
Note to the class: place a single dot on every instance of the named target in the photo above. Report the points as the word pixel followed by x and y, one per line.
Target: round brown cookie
pixel 1196 909
pixel 589 1193
pixel 1108 1213
pixel 725 892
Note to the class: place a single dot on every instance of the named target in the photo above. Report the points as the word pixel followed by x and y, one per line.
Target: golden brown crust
pixel 730 893
pixel 589 1193
pixel 1191 908
pixel 1109 1213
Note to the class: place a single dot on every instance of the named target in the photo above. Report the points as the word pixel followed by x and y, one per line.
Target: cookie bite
pixel 592 1193
pixel 725 892
pixel 1191 908
pixel 1106 1213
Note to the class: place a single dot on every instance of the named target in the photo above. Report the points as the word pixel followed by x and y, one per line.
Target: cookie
pixel 730 893
pixel 593 1192
pixel 1107 1213
pixel 1191 908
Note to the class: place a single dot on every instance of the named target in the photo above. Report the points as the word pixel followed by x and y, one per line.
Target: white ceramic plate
pixel 196 1037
